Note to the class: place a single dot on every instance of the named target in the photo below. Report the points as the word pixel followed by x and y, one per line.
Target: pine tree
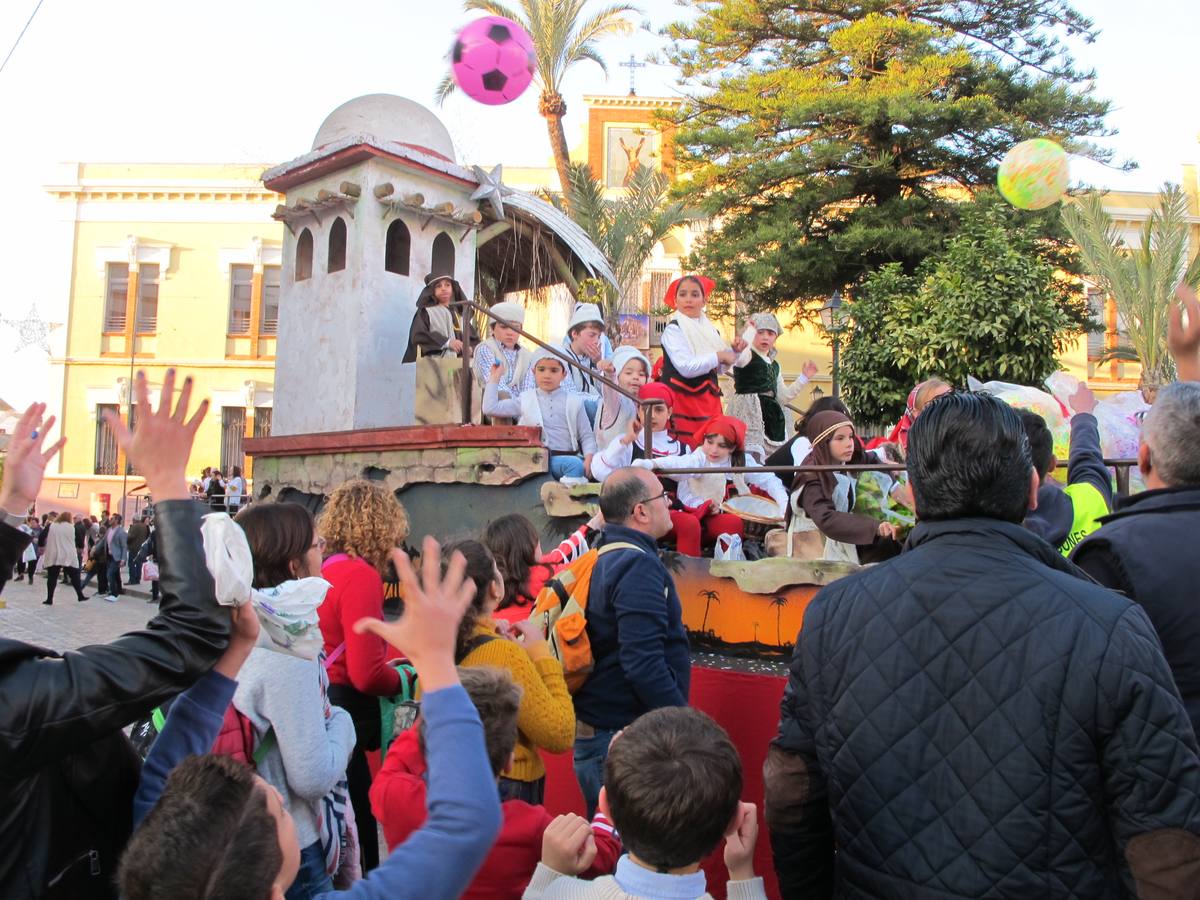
pixel 830 137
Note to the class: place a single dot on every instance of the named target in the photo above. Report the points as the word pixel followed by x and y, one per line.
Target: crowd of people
pixel 990 712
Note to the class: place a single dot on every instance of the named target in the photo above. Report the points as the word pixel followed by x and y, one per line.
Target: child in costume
pixel 435 326
pixel 694 354
pixel 503 347
pixel 630 446
pixel 549 405
pixel 630 369
pixel 723 445
pixel 584 343
pixel 827 498
pixel 760 389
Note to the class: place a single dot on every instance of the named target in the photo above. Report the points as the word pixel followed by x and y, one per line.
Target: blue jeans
pixel 566 465
pixel 114 577
pixel 590 405
pixel 311 880
pixel 590 754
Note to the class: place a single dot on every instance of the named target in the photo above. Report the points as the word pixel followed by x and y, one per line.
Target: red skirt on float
pixel 693 407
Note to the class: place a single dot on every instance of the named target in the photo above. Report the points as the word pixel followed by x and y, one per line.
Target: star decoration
pixel 32 331
pixel 490 188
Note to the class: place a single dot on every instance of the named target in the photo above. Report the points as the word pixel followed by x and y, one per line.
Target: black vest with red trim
pixel 697 386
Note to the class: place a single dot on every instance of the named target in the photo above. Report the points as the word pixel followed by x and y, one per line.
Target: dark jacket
pixel 67 771
pixel 1147 550
pixel 1055 519
pixel 138 533
pixel 976 719
pixel 81 530
pixel 422 339
pixel 635 625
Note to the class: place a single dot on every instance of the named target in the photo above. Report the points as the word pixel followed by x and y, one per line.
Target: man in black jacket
pixel 1147 548
pixel 634 623
pixel 67 771
pixel 974 717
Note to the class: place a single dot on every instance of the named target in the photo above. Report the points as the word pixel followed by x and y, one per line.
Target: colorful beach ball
pixel 493 61
pixel 1034 174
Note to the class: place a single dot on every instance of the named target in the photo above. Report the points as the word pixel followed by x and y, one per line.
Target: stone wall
pixel 320 473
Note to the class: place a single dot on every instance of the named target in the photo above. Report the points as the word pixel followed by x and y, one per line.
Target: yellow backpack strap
pixel 619 545
pixel 583 592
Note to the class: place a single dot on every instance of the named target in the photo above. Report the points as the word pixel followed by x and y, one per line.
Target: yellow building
pixel 169 266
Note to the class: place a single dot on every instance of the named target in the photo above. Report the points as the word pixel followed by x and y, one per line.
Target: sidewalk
pixel 69 624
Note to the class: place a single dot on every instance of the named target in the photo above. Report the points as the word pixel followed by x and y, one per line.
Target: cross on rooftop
pixel 632 65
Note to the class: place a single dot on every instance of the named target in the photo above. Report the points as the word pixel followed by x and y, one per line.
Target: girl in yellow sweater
pixel 547 716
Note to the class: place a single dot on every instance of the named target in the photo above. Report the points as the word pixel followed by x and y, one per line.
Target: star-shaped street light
pixel 32 331
pixel 490 188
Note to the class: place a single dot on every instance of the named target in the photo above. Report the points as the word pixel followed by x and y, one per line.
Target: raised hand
pixel 25 465
pixel 160 444
pixel 809 369
pixel 1184 342
pixel 433 608
pixel 739 344
pixel 568 845
pixel 243 634
pixel 497 372
pixel 1083 400
pixel 739 843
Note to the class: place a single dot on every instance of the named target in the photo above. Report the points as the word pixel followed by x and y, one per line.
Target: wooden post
pixel 465 328
pixel 131 297
pixel 1111 337
pixel 1122 481
pixel 256 290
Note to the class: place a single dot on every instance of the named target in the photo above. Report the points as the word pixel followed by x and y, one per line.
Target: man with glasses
pixel 634 623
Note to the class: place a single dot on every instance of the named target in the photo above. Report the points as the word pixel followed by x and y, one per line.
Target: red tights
pixel 688 530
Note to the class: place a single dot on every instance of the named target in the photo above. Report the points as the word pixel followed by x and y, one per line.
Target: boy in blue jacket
pixel 1065 516
pixel 209 820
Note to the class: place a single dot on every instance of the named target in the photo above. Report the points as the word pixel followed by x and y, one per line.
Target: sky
pixel 251 81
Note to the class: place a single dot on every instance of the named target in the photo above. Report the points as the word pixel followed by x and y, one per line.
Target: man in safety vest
pixel 1065 516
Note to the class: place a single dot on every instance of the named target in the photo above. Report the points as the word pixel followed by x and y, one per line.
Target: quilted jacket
pixel 976 719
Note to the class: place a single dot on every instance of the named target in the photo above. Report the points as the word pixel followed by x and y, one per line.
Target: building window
pixel 147 302
pixel 270 301
pixel 659 282
pixel 1097 341
pixel 443 255
pixel 262 421
pixel 106 442
pixel 116 291
pixel 397 248
pixel 241 286
pixel 304 255
pixel 337 246
pixel 233 429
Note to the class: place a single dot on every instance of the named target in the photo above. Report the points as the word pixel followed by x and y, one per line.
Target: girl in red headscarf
pixel 629 447
pixel 723 444
pixel 694 354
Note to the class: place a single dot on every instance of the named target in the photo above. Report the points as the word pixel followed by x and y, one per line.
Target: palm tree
pixel 779 603
pixel 561 37
pixel 709 598
pixel 1140 280
pixel 625 228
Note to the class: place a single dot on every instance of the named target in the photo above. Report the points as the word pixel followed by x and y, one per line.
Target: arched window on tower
pixel 337 246
pixel 443 255
pixel 304 255
pixel 397 247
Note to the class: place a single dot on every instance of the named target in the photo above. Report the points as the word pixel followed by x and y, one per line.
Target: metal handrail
pixel 1122 467
pixel 467 353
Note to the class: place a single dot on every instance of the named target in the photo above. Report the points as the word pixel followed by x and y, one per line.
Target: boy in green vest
pixel 1065 516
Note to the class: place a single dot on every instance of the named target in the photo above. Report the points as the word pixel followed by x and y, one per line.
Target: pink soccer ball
pixel 493 60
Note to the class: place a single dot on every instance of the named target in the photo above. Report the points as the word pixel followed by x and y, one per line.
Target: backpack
pixel 561 613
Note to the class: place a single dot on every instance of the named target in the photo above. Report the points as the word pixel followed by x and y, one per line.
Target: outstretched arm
pixel 1184 342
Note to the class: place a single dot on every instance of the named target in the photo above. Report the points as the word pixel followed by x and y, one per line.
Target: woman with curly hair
pixel 362 523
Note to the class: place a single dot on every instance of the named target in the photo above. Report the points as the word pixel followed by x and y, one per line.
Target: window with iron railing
pixel 147 302
pixel 270 301
pixel 115 292
pixel 233 430
pixel 262 421
pixel 241 284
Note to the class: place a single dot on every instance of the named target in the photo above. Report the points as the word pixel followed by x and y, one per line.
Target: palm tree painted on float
pixel 561 37
pixel 779 603
pixel 709 597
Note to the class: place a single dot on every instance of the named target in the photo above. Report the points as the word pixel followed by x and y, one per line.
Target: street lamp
pixel 833 321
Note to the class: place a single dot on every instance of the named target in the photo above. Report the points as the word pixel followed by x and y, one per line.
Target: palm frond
pixel 444 89
pixel 492 7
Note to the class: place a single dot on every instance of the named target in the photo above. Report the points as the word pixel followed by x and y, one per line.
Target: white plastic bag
pixel 728 547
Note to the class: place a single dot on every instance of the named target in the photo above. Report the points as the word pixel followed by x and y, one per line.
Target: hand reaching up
pixel 25 465
pixel 1184 342
pixel 568 845
pixel 809 369
pixel 1083 400
pixel 161 441
pixel 433 608
pixel 243 635
pixel 739 843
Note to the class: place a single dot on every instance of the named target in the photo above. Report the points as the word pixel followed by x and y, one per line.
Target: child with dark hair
pixel 517 549
pixel 672 788
pixel 436 327
pixel 218 830
pixel 1065 516
pixel 793 452
pixel 398 795
pixel 547 716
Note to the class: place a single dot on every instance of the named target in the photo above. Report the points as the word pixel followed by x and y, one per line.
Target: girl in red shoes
pixel 694 354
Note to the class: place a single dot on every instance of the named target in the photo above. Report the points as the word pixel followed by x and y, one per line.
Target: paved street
pixel 68 624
